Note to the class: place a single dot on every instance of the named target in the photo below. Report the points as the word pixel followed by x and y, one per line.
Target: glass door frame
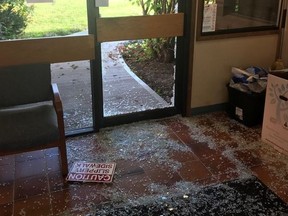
pixel 182 79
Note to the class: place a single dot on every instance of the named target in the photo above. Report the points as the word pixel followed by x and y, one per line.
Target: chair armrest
pixel 59 110
pixel 56 98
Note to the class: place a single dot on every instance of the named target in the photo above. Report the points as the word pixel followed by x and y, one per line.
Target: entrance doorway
pixel 119 94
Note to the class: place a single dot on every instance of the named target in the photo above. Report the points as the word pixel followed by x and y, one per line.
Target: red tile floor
pixel 203 149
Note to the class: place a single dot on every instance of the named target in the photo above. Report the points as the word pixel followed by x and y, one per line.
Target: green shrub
pixel 161 48
pixel 14 17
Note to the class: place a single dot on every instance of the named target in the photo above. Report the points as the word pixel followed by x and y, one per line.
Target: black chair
pixel 31 113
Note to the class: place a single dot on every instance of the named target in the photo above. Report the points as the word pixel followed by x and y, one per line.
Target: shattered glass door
pixel 137 74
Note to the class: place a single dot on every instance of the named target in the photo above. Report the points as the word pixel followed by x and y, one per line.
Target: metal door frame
pixel 182 79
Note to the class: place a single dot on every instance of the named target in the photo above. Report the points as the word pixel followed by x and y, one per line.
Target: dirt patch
pixel 157 75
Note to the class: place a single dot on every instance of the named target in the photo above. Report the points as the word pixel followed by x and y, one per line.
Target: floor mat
pixel 238 197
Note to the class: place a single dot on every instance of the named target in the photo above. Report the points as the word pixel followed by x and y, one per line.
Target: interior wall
pixel 213 60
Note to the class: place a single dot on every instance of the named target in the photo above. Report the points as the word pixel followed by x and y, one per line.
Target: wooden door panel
pixel 46 50
pixel 139 27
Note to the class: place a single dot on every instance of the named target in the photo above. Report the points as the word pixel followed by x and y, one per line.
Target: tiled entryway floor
pixel 152 157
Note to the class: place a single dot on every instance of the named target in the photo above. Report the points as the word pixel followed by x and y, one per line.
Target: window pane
pixel 228 15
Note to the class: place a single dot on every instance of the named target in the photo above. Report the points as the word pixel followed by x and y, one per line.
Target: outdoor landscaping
pixel 158 75
pixel 64 17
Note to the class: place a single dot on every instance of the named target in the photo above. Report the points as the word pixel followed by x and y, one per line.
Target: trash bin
pixel 247 108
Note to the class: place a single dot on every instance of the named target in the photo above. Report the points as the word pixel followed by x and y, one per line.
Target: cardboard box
pixel 275 121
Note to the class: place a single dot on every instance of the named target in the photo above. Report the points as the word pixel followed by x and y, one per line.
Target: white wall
pixel 213 60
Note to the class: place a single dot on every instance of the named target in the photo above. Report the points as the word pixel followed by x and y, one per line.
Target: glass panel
pixel 74 83
pixel 62 17
pixel 57 18
pixel 228 15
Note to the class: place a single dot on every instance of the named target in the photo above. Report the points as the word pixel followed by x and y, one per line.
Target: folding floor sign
pixel 91 172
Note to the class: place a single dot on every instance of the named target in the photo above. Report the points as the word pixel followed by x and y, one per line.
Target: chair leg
pixel 64 163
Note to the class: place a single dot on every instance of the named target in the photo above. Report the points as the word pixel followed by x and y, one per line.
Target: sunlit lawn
pixel 63 17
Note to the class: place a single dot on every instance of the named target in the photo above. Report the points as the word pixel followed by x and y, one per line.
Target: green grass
pixel 119 8
pixel 64 17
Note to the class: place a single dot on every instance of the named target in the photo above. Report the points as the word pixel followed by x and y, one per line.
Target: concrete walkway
pixel 123 91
